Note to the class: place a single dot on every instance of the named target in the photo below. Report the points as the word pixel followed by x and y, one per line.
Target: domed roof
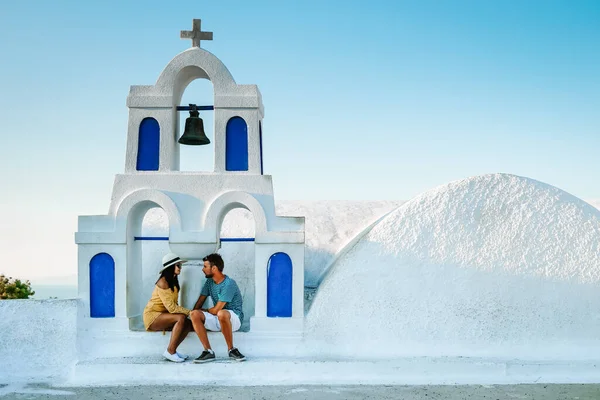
pixel 497 259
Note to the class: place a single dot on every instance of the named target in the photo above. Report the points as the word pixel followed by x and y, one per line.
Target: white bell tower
pixel 109 255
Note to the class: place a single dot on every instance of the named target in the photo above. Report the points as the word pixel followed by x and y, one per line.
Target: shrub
pixel 14 288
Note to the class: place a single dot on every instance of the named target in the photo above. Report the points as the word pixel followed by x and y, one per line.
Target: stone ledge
pixel 272 371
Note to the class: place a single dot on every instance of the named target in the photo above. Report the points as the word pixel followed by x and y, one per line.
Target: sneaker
pixel 184 356
pixel 235 354
pixel 172 357
pixel 205 357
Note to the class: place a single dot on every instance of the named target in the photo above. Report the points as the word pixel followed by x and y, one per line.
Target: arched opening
pixel 279 286
pixel 237 249
pixel 153 246
pixel 102 286
pixel 236 145
pixel 197 158
pixel 148 145
pixel 147 243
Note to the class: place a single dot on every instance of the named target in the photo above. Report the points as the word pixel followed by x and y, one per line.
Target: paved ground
pixel 545 392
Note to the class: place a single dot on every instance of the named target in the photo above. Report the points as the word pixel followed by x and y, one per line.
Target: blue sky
pixel 363 100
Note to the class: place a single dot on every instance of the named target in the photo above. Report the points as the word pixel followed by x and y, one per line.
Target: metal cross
pixel 196 34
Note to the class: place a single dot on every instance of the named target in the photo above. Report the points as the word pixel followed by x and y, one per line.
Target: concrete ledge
pixel 262 371
pixel 95 345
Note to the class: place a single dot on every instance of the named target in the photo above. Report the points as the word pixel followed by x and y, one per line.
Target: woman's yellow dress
pixel 162 301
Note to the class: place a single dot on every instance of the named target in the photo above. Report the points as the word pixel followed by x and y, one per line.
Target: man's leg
pixel 197 318
pixel 225 321
pixel 229 322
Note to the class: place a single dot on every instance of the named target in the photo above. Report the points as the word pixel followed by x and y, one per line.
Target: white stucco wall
pixel 491 266
pixel 37 339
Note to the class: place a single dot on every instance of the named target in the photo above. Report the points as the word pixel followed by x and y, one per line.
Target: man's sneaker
pixel 236 355
pixel 172 357
pixel 206 356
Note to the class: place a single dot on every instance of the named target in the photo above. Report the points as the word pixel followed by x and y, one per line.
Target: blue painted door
pixel 102 286
pixel 236 145
pixel 148 145
pixel 279 286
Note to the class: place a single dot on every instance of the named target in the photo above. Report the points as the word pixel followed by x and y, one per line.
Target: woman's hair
pixel 170 277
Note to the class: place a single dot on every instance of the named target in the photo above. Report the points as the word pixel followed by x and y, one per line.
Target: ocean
pixel 45 291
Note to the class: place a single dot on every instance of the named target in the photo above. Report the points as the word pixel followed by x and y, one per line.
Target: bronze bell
pixel 194 129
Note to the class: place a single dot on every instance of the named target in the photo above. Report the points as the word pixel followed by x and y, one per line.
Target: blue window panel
pixel 102 286
pixel 236 145
pixel 260 138
pixel 279 286
pixel 148 145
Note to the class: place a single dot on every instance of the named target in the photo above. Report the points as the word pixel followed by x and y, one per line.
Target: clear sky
pixel 377 100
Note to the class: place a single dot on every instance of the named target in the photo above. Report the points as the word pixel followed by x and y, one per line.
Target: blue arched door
pixel 148 145
pixel 279 286
pixel 236 145
pixel 102 286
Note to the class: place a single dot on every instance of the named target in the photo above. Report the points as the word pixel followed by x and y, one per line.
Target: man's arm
pixel 218 307
pixel 200 302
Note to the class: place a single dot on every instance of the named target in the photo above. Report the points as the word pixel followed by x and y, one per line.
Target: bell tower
pixel 153 139
pixel 195 203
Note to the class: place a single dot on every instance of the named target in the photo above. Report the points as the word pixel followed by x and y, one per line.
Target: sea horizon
pixel 54 291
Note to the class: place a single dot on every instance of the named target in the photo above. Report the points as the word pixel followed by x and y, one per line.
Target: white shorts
pixel 211 322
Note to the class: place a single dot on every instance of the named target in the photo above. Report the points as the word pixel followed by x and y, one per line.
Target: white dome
pixel 492 264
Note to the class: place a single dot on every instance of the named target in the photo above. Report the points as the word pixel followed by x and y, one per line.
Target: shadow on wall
pixel 317 255
pixel 239 266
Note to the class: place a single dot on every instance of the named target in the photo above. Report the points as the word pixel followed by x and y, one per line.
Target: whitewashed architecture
pixel 491 279
pixel 109 246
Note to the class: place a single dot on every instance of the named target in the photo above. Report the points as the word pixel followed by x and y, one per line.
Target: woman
pixel 163 311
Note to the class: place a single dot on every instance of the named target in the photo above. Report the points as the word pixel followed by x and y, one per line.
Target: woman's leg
pixel 166 321
pixel 187 328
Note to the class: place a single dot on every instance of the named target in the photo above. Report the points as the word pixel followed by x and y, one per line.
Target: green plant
pixel 14 288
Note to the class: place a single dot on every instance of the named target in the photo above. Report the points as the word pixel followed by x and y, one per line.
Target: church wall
pixel 204 187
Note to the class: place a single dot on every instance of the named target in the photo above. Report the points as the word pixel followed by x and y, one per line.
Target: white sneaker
pixel 172 357
pixel 184 356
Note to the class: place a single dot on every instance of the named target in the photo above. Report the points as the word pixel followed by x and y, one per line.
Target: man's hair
pixel 216 260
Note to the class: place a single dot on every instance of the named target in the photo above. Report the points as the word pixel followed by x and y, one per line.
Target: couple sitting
pixel 163 311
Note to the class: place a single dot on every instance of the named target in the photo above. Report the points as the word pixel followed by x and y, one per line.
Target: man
pixel 226 315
